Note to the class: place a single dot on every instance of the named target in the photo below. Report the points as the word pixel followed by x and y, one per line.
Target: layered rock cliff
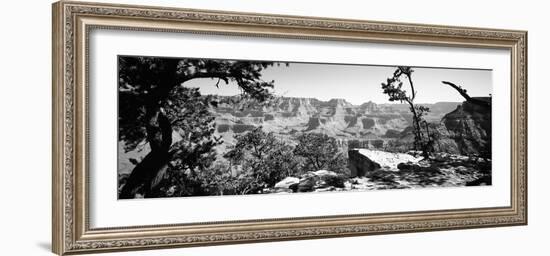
pixel 465 131
pixel 469 126
pixel 368 122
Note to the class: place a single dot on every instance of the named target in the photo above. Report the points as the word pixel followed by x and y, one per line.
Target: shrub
pixel 320 153
pixel 264 159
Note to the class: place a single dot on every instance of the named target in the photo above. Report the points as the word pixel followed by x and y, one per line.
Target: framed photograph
pixel 178 127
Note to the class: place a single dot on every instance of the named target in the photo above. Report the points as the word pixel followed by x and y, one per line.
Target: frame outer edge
pixel 57 130
pixel 525 108
pixel 65 239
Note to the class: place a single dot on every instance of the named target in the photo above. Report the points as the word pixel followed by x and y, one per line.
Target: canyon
pixel 368 124
pixel 462 128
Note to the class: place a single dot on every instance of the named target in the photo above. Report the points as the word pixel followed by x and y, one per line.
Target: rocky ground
pixel 395 171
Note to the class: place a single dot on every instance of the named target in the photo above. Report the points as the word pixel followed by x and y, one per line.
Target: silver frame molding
pixel 72 22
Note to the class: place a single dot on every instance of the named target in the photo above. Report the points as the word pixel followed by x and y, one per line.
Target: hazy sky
pixel 359 83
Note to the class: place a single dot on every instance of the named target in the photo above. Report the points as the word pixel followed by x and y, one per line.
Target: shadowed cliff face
pixel 466 131
pixel 469 126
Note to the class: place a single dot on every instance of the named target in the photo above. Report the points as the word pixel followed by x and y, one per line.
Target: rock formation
pixel 359 164
pixel 469 126
pixel 366 123
pixel 465 131
pixel 317 181
pixel 363 161
pixel 287 182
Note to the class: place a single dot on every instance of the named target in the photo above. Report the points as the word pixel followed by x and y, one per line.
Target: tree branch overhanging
pixel 465 95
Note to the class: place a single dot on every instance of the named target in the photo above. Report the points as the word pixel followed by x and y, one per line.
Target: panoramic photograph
pixel 218 127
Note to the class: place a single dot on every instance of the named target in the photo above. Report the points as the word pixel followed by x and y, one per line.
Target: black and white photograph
pixel 147 128
pixel 218 127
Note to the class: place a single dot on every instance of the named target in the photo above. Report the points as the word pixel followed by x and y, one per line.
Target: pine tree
pixel 154 102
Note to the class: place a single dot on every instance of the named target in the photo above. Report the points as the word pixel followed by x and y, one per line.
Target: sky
pixel 358 84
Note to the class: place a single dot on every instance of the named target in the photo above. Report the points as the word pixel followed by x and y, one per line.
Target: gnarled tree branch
pixel 464 94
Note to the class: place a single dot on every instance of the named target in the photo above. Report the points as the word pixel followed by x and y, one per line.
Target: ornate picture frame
pixel 72 208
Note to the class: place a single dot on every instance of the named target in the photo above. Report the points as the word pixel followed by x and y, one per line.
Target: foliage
pixel 320 153
pixel 264 160
pixel 191 119
pixel 153 103
pixel 258 160
pixel 147 83
pixel 218 179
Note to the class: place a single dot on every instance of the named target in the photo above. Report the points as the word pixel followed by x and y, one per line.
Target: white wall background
pixel 25 116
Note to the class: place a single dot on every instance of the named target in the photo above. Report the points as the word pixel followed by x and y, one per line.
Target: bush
pixel 320 153
pixel 264 159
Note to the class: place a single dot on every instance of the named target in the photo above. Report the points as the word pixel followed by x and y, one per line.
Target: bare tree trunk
pixel 416 121
pixel 416 125
pixel 159 136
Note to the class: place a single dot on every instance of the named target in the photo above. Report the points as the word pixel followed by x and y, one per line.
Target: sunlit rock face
pixel 363 161
pixel 367 123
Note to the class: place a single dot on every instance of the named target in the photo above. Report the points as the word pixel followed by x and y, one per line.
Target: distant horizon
pixel 384 103
pixel 358 84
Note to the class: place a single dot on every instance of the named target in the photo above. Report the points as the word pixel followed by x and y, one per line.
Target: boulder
pixel 313 181
pixel 321 173
pixel 363 161
pixel 359 164
pixel 331 188
pixel 276 191
pixel 282 191
pixel 294 187
pixel 307 184
pixel 287 182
